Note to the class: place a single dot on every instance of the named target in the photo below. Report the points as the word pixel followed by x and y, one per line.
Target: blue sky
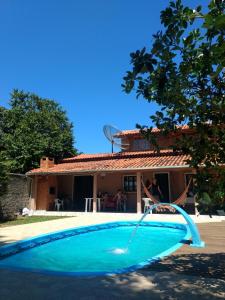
pixel 77 52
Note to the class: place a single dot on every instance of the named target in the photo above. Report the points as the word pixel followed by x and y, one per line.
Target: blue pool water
pixel 93 251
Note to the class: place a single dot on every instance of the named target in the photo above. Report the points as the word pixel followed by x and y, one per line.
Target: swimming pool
pixel 91 250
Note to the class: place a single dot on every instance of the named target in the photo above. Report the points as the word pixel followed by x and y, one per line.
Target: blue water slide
pixel 196 239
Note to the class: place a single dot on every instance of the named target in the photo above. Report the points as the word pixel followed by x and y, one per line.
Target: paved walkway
pixel 188 274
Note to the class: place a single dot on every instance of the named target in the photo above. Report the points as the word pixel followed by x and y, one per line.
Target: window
pixel 141 144
pixel 130 183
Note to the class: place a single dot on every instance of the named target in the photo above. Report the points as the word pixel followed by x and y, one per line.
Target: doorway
pixel 82 188
pixel 163 181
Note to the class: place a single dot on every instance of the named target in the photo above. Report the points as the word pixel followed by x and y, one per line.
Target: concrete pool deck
pixel 190 273
pixel 15 233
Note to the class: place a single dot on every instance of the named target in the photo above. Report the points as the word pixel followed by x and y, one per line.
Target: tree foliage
pixel 184 72
pixel 31 128
pixel 3 166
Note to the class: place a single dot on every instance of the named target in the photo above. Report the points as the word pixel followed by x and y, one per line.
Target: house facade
pixel 93 175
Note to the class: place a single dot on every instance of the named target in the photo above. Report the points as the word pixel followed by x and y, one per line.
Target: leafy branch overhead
pixel 184 73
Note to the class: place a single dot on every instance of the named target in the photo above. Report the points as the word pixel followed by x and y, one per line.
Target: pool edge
pixel 108 226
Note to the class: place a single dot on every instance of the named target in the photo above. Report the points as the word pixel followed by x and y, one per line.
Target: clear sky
pixel 77 52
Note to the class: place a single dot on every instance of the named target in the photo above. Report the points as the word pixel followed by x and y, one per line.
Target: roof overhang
pixel 72 172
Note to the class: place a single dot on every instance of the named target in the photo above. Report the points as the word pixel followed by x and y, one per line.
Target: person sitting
pixel 108 202
pixel 104 199
pixel 120 199
pixel 100 196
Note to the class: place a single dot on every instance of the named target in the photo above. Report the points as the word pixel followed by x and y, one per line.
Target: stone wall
pixel 16 197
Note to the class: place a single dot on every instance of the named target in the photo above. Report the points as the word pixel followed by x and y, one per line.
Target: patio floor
pixel 190 273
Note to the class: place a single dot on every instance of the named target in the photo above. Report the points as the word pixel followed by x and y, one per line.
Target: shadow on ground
pixel 197 264
pixel 187 276
pixel 3 242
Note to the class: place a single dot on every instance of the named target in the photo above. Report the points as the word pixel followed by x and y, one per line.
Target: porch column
pixel 95 193
pixel 34 193
pixel 139 192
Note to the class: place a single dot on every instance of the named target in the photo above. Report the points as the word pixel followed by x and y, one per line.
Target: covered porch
pixel 85 191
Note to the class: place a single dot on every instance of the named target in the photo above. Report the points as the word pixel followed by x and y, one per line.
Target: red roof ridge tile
pixel 85 156
pixel 118 155
pixel 154 130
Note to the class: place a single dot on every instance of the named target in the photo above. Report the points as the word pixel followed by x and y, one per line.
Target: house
pixel 86 175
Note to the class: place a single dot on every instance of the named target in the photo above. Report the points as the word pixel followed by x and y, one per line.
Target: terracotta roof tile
pixel 154 130
pixel 124 154
pixel 88 156
pixel 116 161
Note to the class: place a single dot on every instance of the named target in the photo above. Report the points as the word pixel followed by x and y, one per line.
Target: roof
pixel 123 161
pixel 132 132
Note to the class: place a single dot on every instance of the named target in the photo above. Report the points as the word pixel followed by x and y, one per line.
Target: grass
pixel 27 220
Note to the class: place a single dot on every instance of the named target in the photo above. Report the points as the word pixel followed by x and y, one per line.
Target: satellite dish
pixel 113 135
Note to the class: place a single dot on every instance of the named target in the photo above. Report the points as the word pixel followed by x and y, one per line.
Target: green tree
pixel 184 73
pixel 34 127
pixel 3 165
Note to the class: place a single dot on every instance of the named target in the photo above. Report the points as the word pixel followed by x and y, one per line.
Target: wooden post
pixel 95 193
pixel 139 193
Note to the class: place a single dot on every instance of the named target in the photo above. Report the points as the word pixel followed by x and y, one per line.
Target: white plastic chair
pixel 88 202
pixel 147 202
pixel 58 204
